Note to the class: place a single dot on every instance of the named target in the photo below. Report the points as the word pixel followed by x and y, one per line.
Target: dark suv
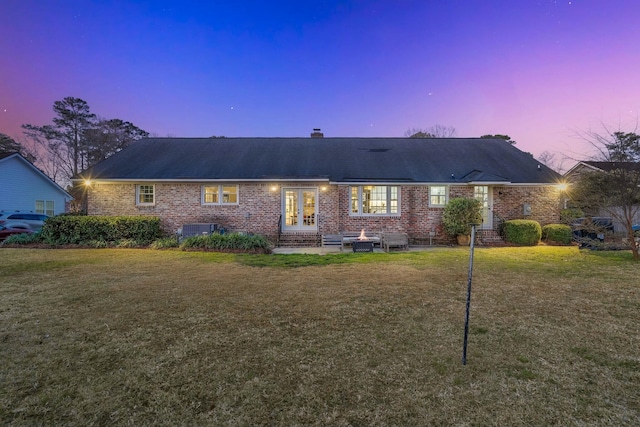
pixel 22 219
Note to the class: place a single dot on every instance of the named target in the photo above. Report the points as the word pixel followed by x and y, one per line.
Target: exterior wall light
pixel 87 183
pixel 563 186
pixel 273 187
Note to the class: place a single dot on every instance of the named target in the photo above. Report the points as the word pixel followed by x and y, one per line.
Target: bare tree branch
pixel 435 131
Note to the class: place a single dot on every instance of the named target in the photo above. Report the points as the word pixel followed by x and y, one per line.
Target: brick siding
pixel 259 207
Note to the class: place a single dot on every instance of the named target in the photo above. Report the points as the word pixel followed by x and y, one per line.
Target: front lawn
pixel 143 337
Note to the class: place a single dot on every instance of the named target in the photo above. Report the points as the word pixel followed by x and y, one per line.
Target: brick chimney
pixel 317 134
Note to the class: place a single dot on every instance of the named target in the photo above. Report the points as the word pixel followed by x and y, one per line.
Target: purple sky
pixel 538 71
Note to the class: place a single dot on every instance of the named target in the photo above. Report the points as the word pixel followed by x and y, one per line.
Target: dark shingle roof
pixel 609 166
pixel 446 160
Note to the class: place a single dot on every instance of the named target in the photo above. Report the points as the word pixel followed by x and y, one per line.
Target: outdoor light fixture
pixel 563 186
pixel 87 183
pixel 273 187
pixel 323 188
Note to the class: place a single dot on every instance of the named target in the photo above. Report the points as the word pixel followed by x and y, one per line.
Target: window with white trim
pixel 45 207
pixel 437 195
pixel 375 200
pixel 145 195
pixel 220 194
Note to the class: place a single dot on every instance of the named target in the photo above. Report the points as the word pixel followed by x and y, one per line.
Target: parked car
pixel 22 219
pixel 6 231
pixel 590 232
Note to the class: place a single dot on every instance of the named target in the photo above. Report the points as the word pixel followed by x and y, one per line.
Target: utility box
pixel 526 209
pixel 199 229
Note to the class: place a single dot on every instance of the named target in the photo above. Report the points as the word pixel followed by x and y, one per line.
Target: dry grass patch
pixel 142 337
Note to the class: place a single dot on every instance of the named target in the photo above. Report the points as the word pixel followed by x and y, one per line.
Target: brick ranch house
pixel 294 190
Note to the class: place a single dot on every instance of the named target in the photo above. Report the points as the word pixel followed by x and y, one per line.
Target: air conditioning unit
pixel 199 229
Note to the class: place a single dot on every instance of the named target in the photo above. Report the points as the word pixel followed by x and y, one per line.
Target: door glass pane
pixel 309 208
pixel 291 208
pixel 481 192
pixel 355 208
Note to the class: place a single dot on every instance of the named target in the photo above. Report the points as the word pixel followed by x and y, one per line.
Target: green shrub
pixel 165 243
pixel 557 233
pixel 459 214
pixel 24 239
pixel 129 243
pixel 74 213
pixel 97 244
pixel 227 242
pixel 569 215
pixel 523 232
pixel 74 229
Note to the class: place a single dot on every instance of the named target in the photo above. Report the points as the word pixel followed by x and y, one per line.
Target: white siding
pixel 21 186
pixel 618 227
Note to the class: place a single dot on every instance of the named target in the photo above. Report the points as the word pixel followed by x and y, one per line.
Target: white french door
pixel 484 193
pixel 299 210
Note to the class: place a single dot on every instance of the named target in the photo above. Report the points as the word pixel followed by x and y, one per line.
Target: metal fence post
pixel 466 317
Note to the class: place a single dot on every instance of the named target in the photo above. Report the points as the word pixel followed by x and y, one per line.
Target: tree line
pixel 76 139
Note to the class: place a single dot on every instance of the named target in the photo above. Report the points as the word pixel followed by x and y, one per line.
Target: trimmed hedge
pixel 71 229
pixel 557 233
pixel 228 242
pixel 523 232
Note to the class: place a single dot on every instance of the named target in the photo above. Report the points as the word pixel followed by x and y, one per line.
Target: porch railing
pixel 279 230
pixel 498 224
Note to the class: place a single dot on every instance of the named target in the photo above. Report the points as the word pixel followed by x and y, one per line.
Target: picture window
pixel 375 200
pixel 219 194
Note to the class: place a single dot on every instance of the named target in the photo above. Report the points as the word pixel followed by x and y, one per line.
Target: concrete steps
pixel 489 236
pixel 299 240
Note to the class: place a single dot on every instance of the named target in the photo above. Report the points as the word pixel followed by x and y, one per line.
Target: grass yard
pixel 142 337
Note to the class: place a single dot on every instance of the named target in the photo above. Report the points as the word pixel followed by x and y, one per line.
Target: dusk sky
pixel 539 71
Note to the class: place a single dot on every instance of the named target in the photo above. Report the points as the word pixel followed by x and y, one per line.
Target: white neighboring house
pixel 24 187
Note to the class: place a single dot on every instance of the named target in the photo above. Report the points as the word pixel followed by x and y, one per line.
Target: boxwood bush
pixel 72 229
pixel 523 232
pixel 228 242
pixel 557 233
pixel 459 214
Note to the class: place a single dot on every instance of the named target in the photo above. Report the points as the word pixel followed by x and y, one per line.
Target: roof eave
pixel 582 163
pixel 127 180
pixel 488 182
